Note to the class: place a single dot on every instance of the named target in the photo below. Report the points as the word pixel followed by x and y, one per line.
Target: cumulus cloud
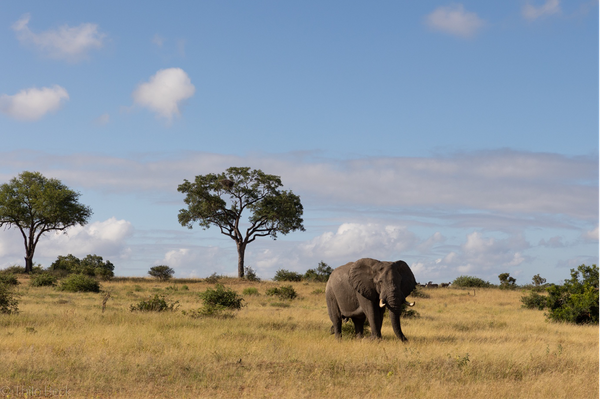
pixel 165 92
pixel 532 12
pixel 590 235
pixel 32 104
pixel 106 238
pixel 454 20
pixel 66 43
pixel 360 240
pixel 486 253
pixel 189 261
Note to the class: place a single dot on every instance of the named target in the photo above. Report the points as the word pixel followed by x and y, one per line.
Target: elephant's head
pixel 386 283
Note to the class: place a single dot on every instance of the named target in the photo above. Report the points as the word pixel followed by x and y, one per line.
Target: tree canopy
pixel 221 200
pixel 36 205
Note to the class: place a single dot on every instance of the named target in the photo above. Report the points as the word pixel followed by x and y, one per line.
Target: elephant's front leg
pixel 374 315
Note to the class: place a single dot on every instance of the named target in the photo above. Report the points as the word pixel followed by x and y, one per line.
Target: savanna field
pixel 465 344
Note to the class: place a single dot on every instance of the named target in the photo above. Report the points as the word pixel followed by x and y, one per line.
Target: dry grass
pixel 463 346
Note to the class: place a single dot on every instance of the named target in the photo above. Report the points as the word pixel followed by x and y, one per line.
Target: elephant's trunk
pixel 395 319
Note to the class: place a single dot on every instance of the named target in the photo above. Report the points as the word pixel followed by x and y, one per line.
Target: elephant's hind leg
pixel 359 326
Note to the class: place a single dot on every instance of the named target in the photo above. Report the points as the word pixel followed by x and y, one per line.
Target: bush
pixel 286 275
pixel 534 301
pixel 9 304
pixel 250 274
pixel 285 292
pixel 470 282
pixel 43 280
pixel 576 301
pixel 321 274
pixel 161 272
pixel 79 283
pixel 213 278
pixel 13 270
pixel 417 292
pixel 158 303
pixel 8 279
pixel 250 291
pixel 221 296
pixel 91 265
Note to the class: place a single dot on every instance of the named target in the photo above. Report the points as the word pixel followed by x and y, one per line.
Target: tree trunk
pixel 28 264
pixel 241 247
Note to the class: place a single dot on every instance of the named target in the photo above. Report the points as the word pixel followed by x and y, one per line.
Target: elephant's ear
pixel 361 278
pixel 408 283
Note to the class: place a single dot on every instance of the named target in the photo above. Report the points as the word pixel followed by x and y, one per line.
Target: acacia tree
pixel 221 200
pixel 36 205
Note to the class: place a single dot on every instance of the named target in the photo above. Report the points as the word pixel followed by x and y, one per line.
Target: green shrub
pixel 79 283
pixel 8 279
pixel 43 280
pixel 417 292
pixel 222 296
pixel 250 291
pixel 286 275
pixel 285 292
pixel 91 265
pixel 534 301
pixel 250 274
pixel 9 304
pixel 161 272
pixel 158 303
pixel 321 274
pixel 15 269
pixel 213 278
pixel 470 282
pixel 576 301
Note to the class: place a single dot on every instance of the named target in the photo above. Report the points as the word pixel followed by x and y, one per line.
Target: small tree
pixel 538 280
pixel 321 274
pixel 507 282
pixel 36 205
pixel 221 200
pixel 161 272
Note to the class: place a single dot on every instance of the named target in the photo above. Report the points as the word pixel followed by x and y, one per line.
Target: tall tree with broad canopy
pixel 221 200
pixel 36 205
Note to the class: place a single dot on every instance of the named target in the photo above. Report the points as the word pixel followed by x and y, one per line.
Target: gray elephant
pixel 361 290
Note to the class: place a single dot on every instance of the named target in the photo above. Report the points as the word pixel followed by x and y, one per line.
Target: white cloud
pixel 591 235
pixel 501 187
pixel 187 262
pixel 106 238
pixel 480 253
pixel 102 120
pixel 67 43
pixel 455 20
pixel 550 7
pixel 32 104
pixel 165 92
pixel 158 40
pixel 355 240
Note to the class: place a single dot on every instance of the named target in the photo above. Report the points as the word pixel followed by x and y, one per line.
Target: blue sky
pixel 461 137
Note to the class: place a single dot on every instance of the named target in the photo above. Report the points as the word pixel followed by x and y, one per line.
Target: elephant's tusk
pixel 410 303
pixel 381 304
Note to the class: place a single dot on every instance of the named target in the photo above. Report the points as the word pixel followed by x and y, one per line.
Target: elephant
pixel 361 290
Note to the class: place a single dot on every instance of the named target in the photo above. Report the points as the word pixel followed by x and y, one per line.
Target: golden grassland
pixel 463 346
